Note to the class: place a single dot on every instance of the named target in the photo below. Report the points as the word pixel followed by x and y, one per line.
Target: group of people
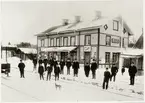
pixel 52 63
pixel 107 75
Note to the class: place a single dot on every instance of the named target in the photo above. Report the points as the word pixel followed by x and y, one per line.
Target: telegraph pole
pixel 98 47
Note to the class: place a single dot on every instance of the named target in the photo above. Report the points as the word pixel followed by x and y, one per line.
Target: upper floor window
pixel 108 40
pixel 87 39
pixel 65 39
pixel 115 25
pixel 54 42
pixel 51 42
pixel 57 42
pixel 107 57
pixel 42 43
pixel 72 41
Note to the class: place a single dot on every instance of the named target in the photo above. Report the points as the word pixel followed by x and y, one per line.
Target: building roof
pixel 28 50
pixel 139 43
pixel 83 25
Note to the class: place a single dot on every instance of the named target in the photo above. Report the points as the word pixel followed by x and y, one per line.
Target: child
pixel 49 70
pixel 56 72
pixel 106 78
pixel 41 71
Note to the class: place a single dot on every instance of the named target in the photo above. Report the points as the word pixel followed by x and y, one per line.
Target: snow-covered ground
pixel 72 88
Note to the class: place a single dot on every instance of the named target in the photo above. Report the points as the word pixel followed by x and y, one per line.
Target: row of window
pixel 115 57
pixel 58 41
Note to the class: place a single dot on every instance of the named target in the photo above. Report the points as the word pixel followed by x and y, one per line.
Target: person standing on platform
pixel 114 71
pixel 94 68
pixel 62 64
pixel 57 72
pixel 75 67
pixel 41 71
pixel 45 61
pixel 49 71
pixel 132 71
pixel 123 70
pixel 40 61
pixel 106 79
pixel 68 65
pixel 35 63
pixel 21 66
pixel 87 69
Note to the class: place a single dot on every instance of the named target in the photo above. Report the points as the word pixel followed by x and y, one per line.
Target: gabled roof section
pixel 139 43
pixel 84 25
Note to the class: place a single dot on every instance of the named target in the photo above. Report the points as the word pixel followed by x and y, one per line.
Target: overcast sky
pixel 22 20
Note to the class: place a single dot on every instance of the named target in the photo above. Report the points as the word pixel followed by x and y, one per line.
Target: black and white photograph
pixel 72 51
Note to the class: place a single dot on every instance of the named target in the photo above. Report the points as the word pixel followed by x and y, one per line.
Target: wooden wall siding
pixel 82 38
pixel 102 39
pixel 89 32
pixel 94 39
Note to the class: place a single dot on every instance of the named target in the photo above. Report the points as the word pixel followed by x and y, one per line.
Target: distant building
pixel 79 40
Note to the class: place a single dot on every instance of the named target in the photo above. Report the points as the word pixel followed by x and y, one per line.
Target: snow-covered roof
pixel 84 25
pixel 28 50
pixel 131 51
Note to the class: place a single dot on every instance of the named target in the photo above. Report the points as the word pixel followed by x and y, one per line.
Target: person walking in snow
pixel 132 71
pixel 87 69
pixel 114 71
pixel 68 65
pixel 21 66
pixel 57 72
pixel 62 64
pixel 49 71
pixel 35 63
pixel 41 71
pixel 94 68
pixel 75 67
pixel 123 70
pixel 106 79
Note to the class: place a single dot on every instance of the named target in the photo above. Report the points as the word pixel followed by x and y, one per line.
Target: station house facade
pixel 101 39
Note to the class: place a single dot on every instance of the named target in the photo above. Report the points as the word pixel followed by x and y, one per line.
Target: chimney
pixel 98 14
pixel 65 22
pixel 77 19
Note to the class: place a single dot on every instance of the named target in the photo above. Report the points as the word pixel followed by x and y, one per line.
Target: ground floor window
pixel 107 57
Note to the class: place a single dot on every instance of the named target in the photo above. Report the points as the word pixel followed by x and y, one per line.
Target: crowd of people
pixel 52 64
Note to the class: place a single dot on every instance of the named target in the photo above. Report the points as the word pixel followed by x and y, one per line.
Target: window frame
pixel 71 40
pixel 109 40
pixel 43 42
pixel 51 42
pixel 116 28
pixel 107 60
pixel 57 42
pixel 64 40
pixel 89 43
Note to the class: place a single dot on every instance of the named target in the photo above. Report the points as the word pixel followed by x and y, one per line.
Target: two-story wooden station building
pixel 101 38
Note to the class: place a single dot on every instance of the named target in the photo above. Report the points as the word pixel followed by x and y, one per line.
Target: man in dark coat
pixel 62 64
pixel 93 68
pixel 45 61
pixel 114 71
pixel 55 63
pixel 49 71
pixel 106 79
pixel 41 71
pixel 35 63
pixel 21 66
pixel 51 62
pixel 57 72
pixel 68 65
pixel 40 61
pixel 132 71
pixel 75 68
pixel 87 69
